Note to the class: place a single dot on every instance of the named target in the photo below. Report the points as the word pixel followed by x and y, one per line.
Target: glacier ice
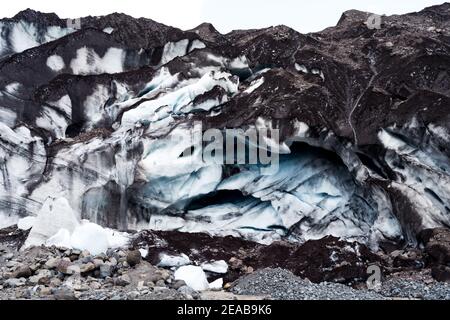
pixel 119 180
pixel 254 85
pixel 54 215
pixel 87 61
pixel 55 62
pixel 127 167
pixel 88 236
pixel 22 35
pixel 173 50
pixel 193 276
pixel 170 261
pixel 215 266
pixel 216 284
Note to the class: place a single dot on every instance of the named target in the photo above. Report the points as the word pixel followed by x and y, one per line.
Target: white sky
pixel 225 15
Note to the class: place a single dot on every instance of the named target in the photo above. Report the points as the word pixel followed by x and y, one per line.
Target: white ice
pixel 215 266
pixel 216 285
pixel 88 236
pixel 108 30
pixel 55 62
pixel 193 276
pixel 88 62
pixel 169 261
pixel 255 85
pixel 54 215
pixel 173 50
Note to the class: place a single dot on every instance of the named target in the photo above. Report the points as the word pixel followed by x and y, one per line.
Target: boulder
pixel 134 257
pixel 437 244
pixel 22 272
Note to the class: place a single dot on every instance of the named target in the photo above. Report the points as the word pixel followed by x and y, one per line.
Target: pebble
pixel 45 291
pixel 189 292
pixel 106 270
pixel 14 282
pixel 85 254
pixel 122 281
pixel 63 294
pixel 87 267
pixel 73 269
pixel 52 263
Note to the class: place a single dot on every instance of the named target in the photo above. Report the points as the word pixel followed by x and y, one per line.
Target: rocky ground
pixel 51 273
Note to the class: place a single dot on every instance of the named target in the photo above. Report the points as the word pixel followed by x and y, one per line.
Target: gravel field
pixel 281 284
pixel 413 289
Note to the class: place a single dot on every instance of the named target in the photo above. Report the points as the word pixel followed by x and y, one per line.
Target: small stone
pixel 73 257
pixel 73 269
pixel 34 267
pixel 46 273
pixel 113 261
pixel 12 264
pixel 101 256
pixel 133 294
pixel 55 282
pixel 87 267
pixel 14 282
pixel 140 285
pixel 64 294
pixel 106 270
pixel 235 263
pixel 81 287
pixel 95 285
pixel 44 281
pixel 23 272
pixel 8 256
pixel 45 291
pixel 34 279
pixel 160 283
pixel 122 281
pixel 189 292
pixel 52 263
pixel 84 254
pixel 134 257
pixel 178 284
pixel 441 273
pixel 97 262
pixel 63 265
pixel 164 274
pixel 160 289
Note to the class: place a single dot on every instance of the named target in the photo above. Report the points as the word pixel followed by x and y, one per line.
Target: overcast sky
pixel 226 15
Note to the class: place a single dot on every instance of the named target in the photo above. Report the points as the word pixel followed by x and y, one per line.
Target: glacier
pixel 105 132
